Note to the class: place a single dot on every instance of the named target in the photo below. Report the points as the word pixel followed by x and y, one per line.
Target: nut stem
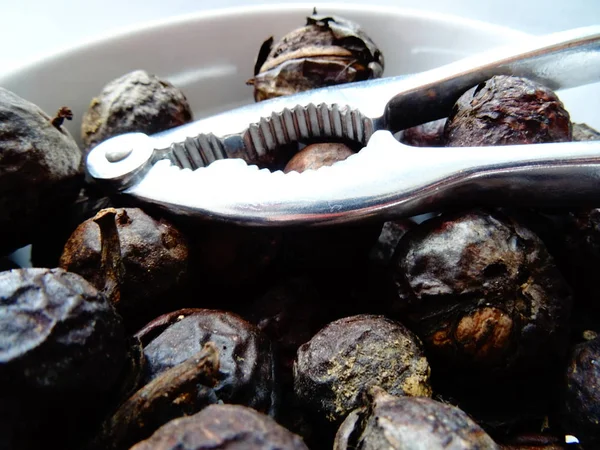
pixel 63 113
pixel 111 261
pixel 171 394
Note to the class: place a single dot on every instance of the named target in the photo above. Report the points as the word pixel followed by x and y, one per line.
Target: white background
pixel 34 27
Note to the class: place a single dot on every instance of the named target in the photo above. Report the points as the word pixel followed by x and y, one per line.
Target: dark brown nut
pixel 335 368
pixel 134 102
pixel 225 427
pixel 486 298
pixel 391 233
pixel 231 256
pixel 483 292
pixel 179 391
pixel 40 171
pixel 573 239
pixel 62 349
pixel 507 110
pixel 581 397
pixel 410 423
pixel 583 132
pixel 318 155
pixel 246 365
pixel 289 313
pixel 327 51
pixel 430 134
pixel 140 261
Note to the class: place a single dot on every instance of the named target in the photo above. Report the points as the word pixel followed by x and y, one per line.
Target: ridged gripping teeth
pixel 305 123
pixel 196 152
pixel 261 141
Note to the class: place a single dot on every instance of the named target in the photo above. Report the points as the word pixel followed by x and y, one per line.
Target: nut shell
pixel 154 255
pixel 134 102
pixel 39 171
pixel 246 365
pixel 62 349
pixel 410 423
pixel 430 134
pixel 507 110
pixel 319 155
pixel 57 332
pixel 483 292
pixel 226 427
pixel 335 368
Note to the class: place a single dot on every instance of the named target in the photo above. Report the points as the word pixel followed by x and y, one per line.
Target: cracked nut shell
pixel 327 51
pixel 583 132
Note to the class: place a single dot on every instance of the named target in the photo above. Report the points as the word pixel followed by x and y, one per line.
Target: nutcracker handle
pixel 558 61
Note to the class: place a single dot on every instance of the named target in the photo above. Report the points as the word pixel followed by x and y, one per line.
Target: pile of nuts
pixel 475 329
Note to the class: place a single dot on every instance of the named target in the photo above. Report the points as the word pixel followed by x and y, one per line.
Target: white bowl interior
pixel 211 55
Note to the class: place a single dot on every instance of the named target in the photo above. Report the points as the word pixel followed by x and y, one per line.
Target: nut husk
pixel 327 51
pixel 483 292
pixel 487 299
pixel 181 390
pixel 246 364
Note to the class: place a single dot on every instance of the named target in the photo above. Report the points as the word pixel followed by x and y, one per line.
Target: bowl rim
pixel 112 35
